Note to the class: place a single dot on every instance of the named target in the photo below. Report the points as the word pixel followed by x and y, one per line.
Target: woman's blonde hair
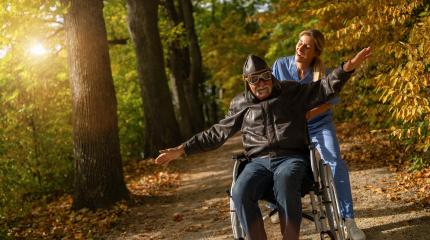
pixel 318 37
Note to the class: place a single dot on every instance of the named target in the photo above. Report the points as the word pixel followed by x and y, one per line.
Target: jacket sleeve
pixel 316 93
pixel 336 99
pixel 217 134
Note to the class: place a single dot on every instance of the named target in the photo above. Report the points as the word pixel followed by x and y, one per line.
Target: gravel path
pixel 198 208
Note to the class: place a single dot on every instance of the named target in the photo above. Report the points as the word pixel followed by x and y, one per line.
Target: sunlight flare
pixel 38 49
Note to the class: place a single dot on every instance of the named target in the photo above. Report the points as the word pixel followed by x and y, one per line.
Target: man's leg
pixel 288 178
pixel 247 190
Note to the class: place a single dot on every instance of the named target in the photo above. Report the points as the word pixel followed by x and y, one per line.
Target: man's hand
pixel 170 154
pixel 357 60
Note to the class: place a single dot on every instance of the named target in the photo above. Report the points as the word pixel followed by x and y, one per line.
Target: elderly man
pixel 271 116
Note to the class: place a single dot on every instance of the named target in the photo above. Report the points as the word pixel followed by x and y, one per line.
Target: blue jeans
pixel 285 175
pixel 325 140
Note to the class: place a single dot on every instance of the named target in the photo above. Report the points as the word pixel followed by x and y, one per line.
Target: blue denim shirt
pixel 285 68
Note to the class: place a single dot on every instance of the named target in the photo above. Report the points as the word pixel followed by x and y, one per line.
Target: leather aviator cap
pixel 254 64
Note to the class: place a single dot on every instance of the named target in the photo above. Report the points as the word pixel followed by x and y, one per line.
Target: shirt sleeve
pixel 276 69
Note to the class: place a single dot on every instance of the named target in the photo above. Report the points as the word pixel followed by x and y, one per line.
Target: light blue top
pixel 285 69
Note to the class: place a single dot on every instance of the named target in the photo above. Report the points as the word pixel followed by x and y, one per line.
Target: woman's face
pixel 305 49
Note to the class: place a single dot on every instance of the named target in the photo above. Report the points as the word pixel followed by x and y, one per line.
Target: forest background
pixel 181 61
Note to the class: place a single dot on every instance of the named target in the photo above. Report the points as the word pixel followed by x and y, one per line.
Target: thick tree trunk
pixel 161 127
pixel 99 180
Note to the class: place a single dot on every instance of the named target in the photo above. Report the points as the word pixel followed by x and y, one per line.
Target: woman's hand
pixel 170 154
pixel 357 60
pixel 318 110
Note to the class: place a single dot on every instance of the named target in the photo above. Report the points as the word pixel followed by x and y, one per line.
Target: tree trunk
pixel 195 79
pixel 161 127
pixel 179 66
pixel 99 180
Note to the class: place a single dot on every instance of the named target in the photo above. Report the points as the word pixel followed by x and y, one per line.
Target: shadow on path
pixel 198 208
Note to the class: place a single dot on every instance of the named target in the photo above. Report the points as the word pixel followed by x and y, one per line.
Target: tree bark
pixel 99 180
pixel 195 78
pixel 161 127
pixel 179 65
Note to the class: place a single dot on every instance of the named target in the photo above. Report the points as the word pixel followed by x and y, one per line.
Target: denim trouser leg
pixel 247 190
pixel 328 147
pixel 288 179
pixel 285 175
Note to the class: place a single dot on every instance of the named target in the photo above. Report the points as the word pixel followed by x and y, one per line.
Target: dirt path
pixel 198 208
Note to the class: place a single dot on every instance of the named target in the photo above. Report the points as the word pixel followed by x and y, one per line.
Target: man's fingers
pixel 167 155
pixel 164 159
pixel 363 53
pixel 366 52
pixel 165 150
pixel 361 56
pixel 161 159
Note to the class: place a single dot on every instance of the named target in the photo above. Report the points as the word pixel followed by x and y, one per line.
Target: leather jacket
pixel 275 126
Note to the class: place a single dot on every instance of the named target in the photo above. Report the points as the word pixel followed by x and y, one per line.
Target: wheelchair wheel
pixel 332 206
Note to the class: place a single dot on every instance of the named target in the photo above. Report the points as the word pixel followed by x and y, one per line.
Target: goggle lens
pixel 253 79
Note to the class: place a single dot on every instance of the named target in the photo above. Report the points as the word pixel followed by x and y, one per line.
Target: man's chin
pixel 261 98
pixel 263 95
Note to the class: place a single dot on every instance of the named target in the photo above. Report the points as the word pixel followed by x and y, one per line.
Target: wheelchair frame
pixel 323 197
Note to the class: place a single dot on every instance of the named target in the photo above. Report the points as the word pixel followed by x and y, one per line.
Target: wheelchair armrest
pixel 240 157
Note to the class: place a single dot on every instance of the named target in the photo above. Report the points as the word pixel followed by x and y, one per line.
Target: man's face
pixel 305 49
pixel 260 84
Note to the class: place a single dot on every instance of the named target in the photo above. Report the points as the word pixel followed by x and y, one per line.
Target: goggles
pixel 253 79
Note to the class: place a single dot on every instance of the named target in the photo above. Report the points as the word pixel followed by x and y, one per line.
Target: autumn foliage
pixel 392 90
pixel 389 96
pixel 399 75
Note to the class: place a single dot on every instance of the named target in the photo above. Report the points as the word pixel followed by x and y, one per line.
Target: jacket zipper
pixel 267 121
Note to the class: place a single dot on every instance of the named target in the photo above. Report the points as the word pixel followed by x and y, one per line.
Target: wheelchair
pixel 325 208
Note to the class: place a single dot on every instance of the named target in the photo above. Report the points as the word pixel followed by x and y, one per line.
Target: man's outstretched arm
pixel 319 92
pixel 211 138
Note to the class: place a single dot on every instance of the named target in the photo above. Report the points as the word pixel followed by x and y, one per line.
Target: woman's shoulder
pixel 287 60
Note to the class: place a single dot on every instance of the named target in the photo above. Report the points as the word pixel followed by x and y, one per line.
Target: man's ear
pixel 247 86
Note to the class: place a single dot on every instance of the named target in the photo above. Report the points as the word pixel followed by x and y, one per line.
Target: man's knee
pixel 287 175
pixel 245 192
pixel 239 194
pixel 291 175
